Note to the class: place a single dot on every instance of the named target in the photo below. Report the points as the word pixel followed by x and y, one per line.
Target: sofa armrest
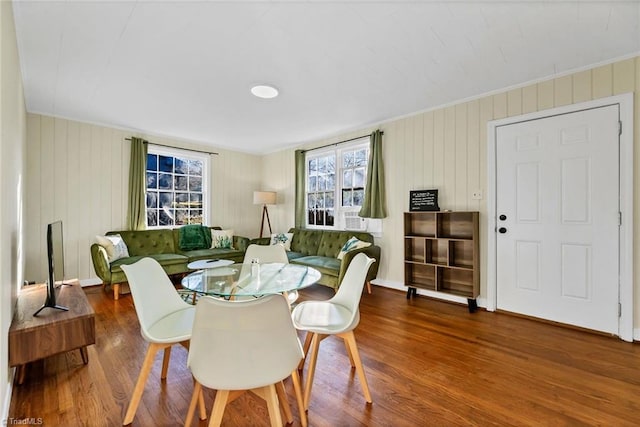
pixel 240 243
pixel 101 263
pixel 265 241
pixel 372 251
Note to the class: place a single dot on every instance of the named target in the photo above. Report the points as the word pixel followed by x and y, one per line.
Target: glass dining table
pixel 238 280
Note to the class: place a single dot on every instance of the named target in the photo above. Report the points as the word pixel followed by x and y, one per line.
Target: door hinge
pixel 619 127
pixel 619 219
pixel 619 310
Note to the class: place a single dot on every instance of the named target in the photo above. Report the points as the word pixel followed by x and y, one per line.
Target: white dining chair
pixel 165 319
pixel 239 346
pixel 266 254
pixel 337 316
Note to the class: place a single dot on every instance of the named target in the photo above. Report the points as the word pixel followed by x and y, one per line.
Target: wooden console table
pixel 52 331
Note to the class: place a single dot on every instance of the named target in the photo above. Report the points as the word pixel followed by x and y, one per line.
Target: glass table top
pixel 238 280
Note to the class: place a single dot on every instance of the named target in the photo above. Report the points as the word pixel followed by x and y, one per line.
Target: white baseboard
pixel 8 394
pixel 438 295
pixel 636 334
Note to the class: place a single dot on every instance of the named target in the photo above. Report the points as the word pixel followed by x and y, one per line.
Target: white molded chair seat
pixel 239 346
pixel 165 319
pixel 266 254
pixel 337 316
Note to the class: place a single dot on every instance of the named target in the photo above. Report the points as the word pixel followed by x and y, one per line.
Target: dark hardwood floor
pixel 428 363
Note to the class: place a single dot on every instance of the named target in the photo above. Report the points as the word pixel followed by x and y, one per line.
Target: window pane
pixel 152 199
pixel 331 164
pixel 152 162
pixel 346 197
pixel 322 183
pixel 347 160
pixel 329 218
pixel 311 217
pixel 361 158
pixel 195 199
pixel 320 217
pixel 165 181
pixel 347 178
pixel 166 200
pixel 180 182
pixel 182 216
pixel 320 200
pixel 196 216
pixel 152 217
pixel 152 180
pixel 331 182
pixel 195 167
pixel 165 164
pixel 322 165
pixel 328 200
pixel 358 177
pixel 313 165
pixel 311 201
pixel 195 183
pixel 358 197
pixel 313 183
pixel 166 217
pixel 182 166
pixel 182 200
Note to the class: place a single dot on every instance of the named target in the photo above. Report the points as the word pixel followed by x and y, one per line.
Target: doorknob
pixel 502 230
pixel 502 217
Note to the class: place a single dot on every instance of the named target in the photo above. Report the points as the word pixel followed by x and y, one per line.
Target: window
pixel 335 183
pixel 176 187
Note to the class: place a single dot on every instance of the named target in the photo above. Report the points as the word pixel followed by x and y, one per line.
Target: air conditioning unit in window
pixel 353 222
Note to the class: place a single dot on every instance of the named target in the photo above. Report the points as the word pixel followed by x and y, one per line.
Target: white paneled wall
pixel 78 172
pixel 446 149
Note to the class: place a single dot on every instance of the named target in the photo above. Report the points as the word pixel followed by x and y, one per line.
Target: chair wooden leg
pixel 165 363
pixel 305 349
pixel 368 287
pixel 315 345
pixel 195 397
pixel 218 408
pixel 142 380
pixel 284 402
pixel 116 291
pixel 350 341
pixel 203 408
pixel 297 387
pixel 271 396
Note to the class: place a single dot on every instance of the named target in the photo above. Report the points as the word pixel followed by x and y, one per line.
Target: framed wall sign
pixel 423 200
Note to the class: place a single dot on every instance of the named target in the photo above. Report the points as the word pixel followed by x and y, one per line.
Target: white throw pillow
pixel 283 239
pixel 351 244
pixel 221 239
pixel 114 245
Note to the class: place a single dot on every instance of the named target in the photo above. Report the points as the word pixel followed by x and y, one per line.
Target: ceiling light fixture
pixel 264 91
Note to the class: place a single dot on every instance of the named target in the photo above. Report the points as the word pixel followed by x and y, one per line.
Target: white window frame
pixel 206 171
pixel 338 209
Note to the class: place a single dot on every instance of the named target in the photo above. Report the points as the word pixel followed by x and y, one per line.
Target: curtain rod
pixel 178 148
pixel 338 143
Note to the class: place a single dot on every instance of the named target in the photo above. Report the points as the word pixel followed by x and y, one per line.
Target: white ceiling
pixel 184 69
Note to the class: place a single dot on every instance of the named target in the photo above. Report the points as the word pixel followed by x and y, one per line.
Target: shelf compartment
pixel 457 225
pixel 437 252
pixel 420 276
pixel 414 249
pixel 461 254
pixel 456 282
pixel 420 224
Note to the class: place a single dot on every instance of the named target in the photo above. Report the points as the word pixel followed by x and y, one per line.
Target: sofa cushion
pixel 326 266
pixel 351 245
pixel 163 259
pixel 283 239
pixel 114 245
pixel 148 242
pixel 331 243
pixel 236 255
pixel 293 255
pixel 305 241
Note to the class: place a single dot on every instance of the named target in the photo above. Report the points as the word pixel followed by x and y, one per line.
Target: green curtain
pixel 136 217
pixel 374 204
pixel 300 189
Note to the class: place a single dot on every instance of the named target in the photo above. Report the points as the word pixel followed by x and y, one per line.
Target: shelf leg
pixel 409 291
pixel 473 305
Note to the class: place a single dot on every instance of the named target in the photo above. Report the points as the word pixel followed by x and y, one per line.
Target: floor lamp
pixel 264 198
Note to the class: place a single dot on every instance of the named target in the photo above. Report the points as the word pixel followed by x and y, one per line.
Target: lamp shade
pixel 264 197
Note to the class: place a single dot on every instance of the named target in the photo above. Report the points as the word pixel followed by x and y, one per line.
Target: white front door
pixel 557 209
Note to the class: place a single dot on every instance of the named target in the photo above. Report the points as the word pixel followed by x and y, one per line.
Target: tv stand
pixel 52 332
pixel 46 305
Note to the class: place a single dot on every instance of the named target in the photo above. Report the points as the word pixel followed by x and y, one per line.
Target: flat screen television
pixel 55 262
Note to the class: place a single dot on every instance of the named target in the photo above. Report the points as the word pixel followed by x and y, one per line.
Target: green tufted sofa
pixel 161 245
pixel 319 249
